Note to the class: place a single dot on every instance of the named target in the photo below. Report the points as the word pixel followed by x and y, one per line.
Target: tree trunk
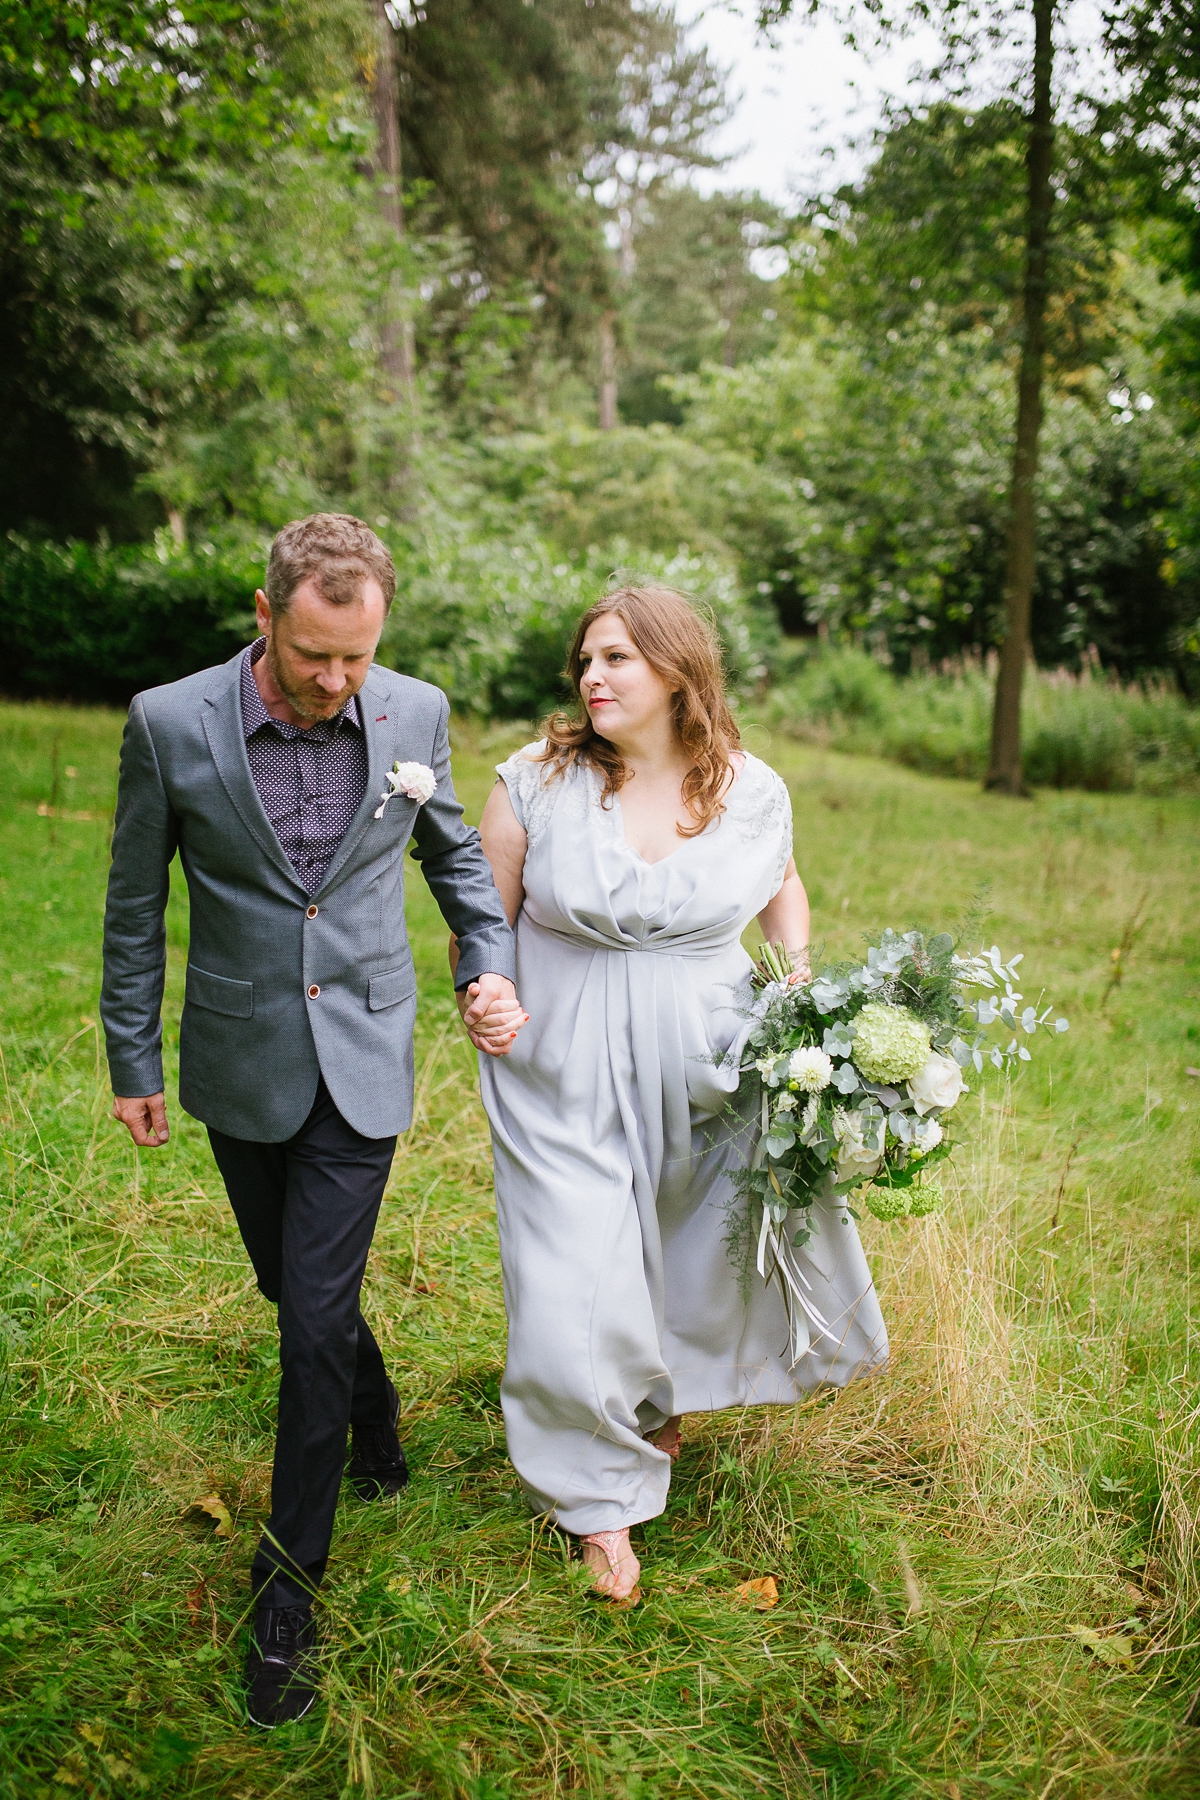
pixel 1004 767
pixel 397 357
pixel 608 372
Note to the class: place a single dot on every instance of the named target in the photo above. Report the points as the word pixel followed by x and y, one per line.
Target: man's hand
pixel 491 1013
pixel 146 1119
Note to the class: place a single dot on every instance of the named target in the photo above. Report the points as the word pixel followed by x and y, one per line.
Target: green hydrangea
pixel 927 1197
pixel 888 1202
pixel 890 1043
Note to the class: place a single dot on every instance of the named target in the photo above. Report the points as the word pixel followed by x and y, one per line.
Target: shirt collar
pixel 255 714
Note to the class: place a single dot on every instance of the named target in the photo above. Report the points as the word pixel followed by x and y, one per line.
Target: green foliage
pixel 1078 731
pixel 93 624
pixel 692 295
pixel 490 622
pixel 899 452
pixel 653 489
pixel 938 220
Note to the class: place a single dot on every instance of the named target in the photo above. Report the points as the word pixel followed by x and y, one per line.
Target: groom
pixel 268 776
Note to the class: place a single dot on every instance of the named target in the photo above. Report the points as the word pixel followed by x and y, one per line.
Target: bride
pixel 632 846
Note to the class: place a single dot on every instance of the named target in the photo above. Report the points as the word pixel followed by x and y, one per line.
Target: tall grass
pixel 1084 731
pixel 985 1557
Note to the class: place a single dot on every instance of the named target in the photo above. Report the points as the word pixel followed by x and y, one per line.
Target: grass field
pixel 985 1557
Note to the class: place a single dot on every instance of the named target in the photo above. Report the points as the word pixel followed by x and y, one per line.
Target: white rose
pixel 414 779
pixel 939 1084
pixel 810 1069
pixel 856 1159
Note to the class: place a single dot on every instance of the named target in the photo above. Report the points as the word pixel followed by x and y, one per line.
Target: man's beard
pixel 307 704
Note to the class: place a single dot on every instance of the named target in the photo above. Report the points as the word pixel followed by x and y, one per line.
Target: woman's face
pixel 623 693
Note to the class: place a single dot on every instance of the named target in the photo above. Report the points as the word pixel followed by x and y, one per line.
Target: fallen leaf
pixel 761 1594
pixel 93 1732
pixel 215 1507
pixel 195 1604
pixel 1115 1648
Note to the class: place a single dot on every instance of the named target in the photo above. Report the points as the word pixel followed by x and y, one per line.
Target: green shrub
pixel 1078 731
pixel 88 624
pixel 487 621
pixel 491 622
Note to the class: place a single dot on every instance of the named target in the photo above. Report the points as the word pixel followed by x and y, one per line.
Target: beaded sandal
pixel 616 1547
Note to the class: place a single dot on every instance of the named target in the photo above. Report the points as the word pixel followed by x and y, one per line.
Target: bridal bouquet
pixel 853 1072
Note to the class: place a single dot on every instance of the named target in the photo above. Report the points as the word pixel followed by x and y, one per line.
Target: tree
pixel 967 26
pixel 1004 759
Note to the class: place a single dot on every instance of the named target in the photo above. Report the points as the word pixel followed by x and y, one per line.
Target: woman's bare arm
pixel 504 845
pixel 785 919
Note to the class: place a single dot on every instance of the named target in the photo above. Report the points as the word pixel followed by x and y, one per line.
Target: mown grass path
pixel 985 1558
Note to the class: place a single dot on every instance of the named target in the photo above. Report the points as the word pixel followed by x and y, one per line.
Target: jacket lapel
pixel 222 718
pixel 376 696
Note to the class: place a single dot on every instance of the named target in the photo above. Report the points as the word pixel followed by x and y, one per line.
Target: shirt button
pixel 313 991
pixel 311 913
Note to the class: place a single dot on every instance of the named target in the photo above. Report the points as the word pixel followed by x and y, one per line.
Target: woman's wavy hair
pixel 682 647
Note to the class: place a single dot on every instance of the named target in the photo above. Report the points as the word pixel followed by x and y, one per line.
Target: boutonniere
pixel 414 780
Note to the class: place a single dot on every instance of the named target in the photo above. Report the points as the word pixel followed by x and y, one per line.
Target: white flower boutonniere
pixel 414 780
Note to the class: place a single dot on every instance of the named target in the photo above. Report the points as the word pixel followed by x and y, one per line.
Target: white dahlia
pixel 810 1069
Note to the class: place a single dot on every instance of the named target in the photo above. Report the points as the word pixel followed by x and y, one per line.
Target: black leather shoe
pixel 281 1666
pixel 377 1467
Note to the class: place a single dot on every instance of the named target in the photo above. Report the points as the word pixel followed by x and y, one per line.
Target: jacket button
pixel 311 913
pixel 313 991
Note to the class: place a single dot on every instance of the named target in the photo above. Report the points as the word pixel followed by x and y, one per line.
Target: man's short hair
pixel 338 551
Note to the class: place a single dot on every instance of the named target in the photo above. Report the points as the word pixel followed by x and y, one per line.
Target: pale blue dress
pixel 613 1150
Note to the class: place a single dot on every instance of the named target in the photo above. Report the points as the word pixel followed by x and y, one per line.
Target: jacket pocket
pixel 220 995
pixel 391 988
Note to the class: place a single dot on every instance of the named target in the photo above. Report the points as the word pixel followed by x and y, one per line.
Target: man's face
pixel 318 654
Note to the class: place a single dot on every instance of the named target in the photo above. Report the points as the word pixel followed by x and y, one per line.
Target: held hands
pixel 491 1013
pixel 146 1120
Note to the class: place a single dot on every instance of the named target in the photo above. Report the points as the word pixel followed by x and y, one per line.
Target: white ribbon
pixel 773 1236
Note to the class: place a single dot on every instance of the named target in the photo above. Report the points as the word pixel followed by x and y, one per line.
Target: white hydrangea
pixel 810 1069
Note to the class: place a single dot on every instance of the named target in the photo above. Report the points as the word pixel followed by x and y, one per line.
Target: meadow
pixel 985 1558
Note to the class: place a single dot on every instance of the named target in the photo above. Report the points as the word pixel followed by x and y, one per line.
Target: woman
pixel 632 848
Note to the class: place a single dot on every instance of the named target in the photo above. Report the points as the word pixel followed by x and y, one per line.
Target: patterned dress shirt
pixel 311 780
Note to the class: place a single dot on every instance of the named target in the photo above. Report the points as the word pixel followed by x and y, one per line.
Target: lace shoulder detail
pixel 529 788
pixel 764 808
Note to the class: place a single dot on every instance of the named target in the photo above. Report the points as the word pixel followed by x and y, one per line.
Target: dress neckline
pixel 686 843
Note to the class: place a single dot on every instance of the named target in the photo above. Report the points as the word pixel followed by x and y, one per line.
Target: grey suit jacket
pixel 282 986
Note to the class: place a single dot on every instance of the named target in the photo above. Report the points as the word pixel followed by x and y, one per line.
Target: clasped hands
pixel 491 1013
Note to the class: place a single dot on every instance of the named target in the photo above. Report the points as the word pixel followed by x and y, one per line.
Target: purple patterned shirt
pixel 311 780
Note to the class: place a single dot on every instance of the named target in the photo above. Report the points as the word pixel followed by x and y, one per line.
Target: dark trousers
pixel 306 1210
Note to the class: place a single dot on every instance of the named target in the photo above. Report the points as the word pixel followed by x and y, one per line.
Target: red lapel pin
pixel 382 719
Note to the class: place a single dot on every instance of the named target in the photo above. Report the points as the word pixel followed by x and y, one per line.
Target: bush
pixel 1078 731
pixel 488 621
pixel 491 622
pixel 92 624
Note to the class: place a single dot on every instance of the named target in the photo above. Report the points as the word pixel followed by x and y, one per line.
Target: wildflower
pixel 890 1043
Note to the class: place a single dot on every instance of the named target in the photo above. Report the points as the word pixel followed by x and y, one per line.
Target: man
pixel 270 777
